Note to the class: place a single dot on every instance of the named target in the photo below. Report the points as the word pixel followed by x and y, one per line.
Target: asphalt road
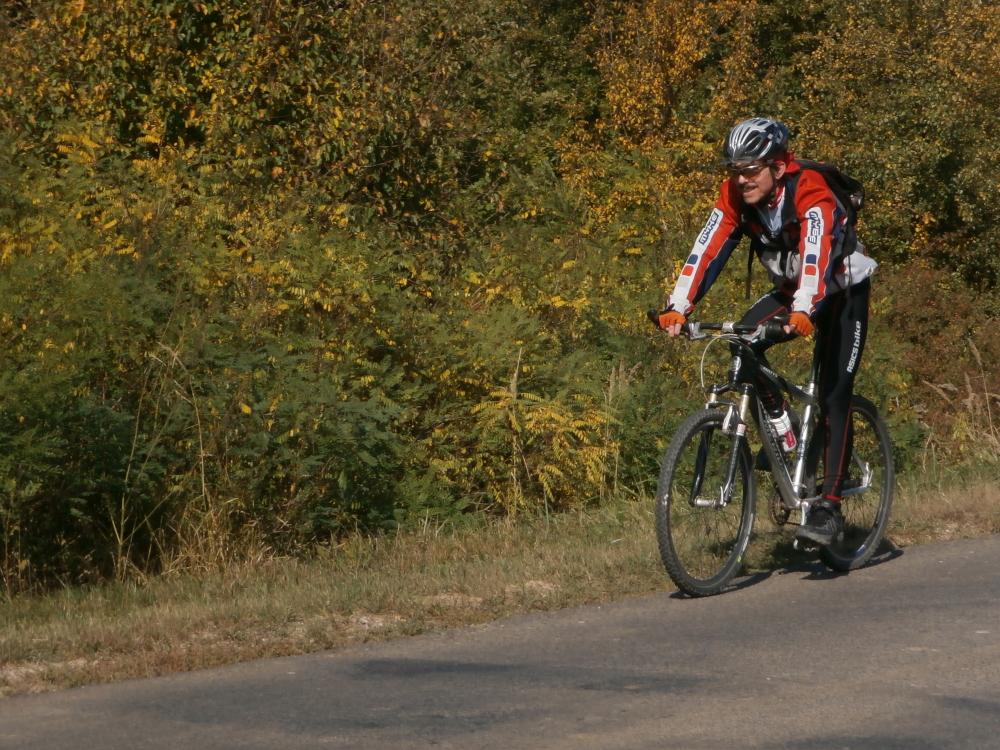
pixel 902 654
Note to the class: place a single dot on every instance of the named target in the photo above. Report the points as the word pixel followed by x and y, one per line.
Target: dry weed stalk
pixel 973 431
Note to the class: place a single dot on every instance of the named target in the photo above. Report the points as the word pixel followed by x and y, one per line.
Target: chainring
pixel 778 512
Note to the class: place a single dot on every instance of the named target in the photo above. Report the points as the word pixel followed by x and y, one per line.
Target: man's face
pixel 756 181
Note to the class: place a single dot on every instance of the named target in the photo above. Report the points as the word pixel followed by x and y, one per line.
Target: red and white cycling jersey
pixel 799 239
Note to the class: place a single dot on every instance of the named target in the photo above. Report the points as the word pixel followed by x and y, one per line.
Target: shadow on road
pixel 737 584
pixel 432 674
pixel 924 731
pixel 813 570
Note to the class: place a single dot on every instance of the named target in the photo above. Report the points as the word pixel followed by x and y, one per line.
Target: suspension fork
pixel 699 467
pixel 735 425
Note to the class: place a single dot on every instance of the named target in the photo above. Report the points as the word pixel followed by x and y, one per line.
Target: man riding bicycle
pixel 800 231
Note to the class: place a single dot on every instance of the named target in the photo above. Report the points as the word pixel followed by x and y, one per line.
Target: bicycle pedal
pixel 802 545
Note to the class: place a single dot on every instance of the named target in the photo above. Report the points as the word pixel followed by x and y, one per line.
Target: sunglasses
pixel 752 171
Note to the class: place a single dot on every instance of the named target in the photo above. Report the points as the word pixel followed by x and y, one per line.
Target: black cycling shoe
pixel 824 523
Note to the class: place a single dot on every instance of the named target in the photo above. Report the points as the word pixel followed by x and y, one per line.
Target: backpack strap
pixel 749 269
pixel 849 192
pixel 745 217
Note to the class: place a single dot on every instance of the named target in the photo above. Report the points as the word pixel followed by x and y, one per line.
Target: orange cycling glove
pixel 803 326
pixel 671 318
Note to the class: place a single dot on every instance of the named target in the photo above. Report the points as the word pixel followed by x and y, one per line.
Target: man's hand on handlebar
pixel 676 324
pixel 672 322
pixel 798 322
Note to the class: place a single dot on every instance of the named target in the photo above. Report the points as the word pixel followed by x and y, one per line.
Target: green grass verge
pixel 397 585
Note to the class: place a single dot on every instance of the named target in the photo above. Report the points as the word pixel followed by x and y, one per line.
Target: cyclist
pixel 799 231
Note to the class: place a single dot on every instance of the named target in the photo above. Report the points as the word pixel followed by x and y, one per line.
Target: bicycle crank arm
pixel 864 483
pixel 856 490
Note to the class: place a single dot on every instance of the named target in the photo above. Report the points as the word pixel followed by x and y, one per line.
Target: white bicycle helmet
pixel 753 139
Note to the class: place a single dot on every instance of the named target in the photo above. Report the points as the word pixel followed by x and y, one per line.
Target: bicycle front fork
pixel 735 425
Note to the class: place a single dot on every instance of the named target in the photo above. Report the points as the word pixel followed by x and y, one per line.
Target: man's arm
pixel 715 243
pixel 822 226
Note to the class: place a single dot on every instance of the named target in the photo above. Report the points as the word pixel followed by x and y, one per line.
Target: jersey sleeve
pixel 715 243
pixel 822 222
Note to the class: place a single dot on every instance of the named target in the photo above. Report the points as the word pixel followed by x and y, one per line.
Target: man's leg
pixel 841 333
pixel 771 305
pixel 848 331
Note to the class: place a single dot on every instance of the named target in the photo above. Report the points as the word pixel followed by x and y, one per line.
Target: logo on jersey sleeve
pixel 680 297
pixel 814 235
pixel 816 226
pixel 706 234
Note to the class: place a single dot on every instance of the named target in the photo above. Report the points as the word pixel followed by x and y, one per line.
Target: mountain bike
pixel 706 497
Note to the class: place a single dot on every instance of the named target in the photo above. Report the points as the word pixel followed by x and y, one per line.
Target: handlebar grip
pixel 775 327
pixel 654 317
pixel 773 330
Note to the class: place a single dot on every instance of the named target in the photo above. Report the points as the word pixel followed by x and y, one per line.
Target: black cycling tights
pixel 841 330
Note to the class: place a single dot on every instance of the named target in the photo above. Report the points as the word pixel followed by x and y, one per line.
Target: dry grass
pixel 959 507
pixel 363 590
pixel 397 585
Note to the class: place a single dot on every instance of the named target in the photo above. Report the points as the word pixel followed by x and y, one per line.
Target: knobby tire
pixel 702 548
pixel 866 516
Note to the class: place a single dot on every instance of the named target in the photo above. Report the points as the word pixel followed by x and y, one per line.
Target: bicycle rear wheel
pixel 866 511
pixel 702 545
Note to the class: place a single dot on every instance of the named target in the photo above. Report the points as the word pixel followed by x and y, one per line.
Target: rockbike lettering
pixel 856 348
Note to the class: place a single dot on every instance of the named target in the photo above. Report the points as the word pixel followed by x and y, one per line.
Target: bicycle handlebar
pixel 773 328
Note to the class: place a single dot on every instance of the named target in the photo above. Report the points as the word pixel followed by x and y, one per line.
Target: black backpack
pixel 849 192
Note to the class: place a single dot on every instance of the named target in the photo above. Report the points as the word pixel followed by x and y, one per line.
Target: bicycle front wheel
pixel 868 490
pixel 702 540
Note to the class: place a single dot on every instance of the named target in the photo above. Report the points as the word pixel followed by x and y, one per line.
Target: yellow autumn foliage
pixel 270 272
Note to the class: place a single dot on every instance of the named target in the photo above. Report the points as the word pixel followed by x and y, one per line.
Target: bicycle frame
pixel 707 491
pixel 745 365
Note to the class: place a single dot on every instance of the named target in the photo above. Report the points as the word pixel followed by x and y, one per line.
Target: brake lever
pixel 772 329
pixel 693 330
